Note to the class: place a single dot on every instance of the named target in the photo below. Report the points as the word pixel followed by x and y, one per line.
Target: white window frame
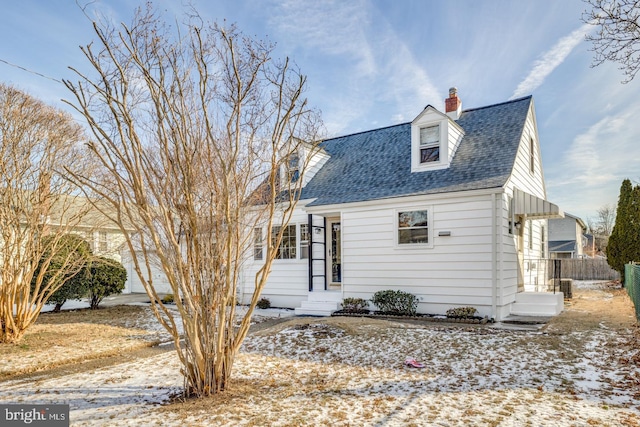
pixel 258 244
pixel 425 145
pixel 103 242
pixel 303 243
pixel 396 225
pixel 292 245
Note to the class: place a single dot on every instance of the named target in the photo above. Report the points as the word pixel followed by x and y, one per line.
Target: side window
pixel 532 157
pixel 413 227
pixel 257 243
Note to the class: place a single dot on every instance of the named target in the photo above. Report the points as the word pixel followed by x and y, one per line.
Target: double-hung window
pixel 293 168
pixel 430 144
pixel 288 245
pixel 304 241
pixel 413 227
pixel 257 243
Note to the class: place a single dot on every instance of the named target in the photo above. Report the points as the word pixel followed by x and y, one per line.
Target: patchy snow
pixel 321 373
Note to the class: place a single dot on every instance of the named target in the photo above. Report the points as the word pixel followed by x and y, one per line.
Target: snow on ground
pixel 327 374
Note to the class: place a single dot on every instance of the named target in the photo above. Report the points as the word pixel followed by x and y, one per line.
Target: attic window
pixel 293 168
pixel 430 144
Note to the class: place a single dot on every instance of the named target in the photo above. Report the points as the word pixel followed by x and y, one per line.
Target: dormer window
pixel 293 168
pixel 430 144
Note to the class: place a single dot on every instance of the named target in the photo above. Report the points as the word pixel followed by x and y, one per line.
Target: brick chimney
pixel 453 104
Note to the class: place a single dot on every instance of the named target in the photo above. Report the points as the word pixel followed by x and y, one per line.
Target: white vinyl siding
pixel 455 271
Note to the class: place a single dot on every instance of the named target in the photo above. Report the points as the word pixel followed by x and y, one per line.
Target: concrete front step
pixel 325 296
pixel 537 304
pixel 317 308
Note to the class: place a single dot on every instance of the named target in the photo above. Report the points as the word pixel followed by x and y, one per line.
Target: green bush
pixel 264 303
pixel 398 302
pixel 66 268
pixel 463 312
pixel 355 304
pixel 107 278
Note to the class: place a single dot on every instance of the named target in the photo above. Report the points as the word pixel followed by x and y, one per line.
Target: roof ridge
pixel 366 131
pixel 428 105
pixel 499 103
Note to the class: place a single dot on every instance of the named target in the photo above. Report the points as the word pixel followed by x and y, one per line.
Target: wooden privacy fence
pixel 572 268
pixel 586 269
pixel 582 269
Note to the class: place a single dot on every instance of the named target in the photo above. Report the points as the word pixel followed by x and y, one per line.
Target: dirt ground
pixel 590 308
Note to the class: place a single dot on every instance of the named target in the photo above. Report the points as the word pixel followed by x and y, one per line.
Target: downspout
pixel 494 258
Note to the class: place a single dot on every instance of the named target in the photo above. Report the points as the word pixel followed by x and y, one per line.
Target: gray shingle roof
pixel 376 164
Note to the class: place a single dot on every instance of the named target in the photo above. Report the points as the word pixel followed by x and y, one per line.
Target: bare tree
pixel 618 36
pixel 605 220
pixel 195 127
pixel 601 226
pixel 37 206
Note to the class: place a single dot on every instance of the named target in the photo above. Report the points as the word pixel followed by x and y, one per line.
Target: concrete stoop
pixel 541 304
pixel 320 303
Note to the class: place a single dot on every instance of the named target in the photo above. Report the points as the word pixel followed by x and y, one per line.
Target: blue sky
pixel 376 63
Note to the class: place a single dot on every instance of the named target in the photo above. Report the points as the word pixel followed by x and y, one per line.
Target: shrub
pixel 73 282
pixel 463 312
pixel 355 305
pixel 167 299
pixel 264 303
pixel 107 278
pixel 399 302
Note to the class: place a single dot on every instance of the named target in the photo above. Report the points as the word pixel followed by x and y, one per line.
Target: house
pixel 567 237
pixel 446 207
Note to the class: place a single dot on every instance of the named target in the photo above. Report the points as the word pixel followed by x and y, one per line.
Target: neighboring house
pixel 567 237
pixel 446 207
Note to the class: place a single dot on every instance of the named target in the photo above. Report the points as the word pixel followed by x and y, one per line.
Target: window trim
pixel 424 121
pixel 430 227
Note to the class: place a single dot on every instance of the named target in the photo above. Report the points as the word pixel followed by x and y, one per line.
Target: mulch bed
pixel 418 316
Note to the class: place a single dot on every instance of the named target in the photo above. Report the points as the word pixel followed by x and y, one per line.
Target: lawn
pixel 578 370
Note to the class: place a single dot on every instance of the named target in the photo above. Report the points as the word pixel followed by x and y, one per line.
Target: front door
pixel 334 253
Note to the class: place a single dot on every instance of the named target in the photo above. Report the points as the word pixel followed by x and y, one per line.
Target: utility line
pixel 29 71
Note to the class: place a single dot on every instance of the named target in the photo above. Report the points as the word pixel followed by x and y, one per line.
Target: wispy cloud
pixel 596 162
pixel 366 60
pixel 550 61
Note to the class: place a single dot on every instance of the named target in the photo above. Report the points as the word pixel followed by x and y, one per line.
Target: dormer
pixel 303 163
pixel 435 136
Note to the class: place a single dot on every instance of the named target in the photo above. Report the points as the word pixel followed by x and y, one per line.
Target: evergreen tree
pixel 624 243
pixel 107 278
